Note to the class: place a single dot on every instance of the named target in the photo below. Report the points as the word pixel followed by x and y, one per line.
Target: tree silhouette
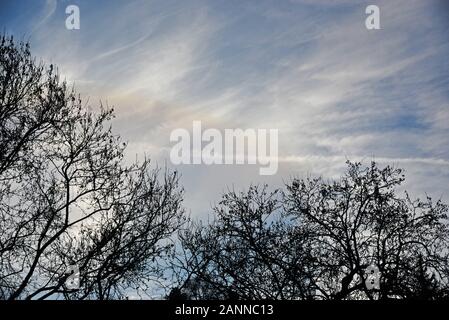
pixel 325 237
pixel 250 251
pixel 66 196
pixel 361 221
pixel 69 202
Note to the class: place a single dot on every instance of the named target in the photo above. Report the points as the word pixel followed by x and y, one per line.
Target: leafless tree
pixel 324 239
pixel 360 221
pixel 66 196
pixel 249 251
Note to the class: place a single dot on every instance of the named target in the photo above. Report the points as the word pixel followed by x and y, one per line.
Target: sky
pixel 335 90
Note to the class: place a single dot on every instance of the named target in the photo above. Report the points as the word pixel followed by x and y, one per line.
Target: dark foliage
pixel 66 196
pixel 324 236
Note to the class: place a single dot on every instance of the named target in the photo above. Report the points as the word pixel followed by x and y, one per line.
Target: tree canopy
pixel 67 197
pixel 320 239
pixel 70 203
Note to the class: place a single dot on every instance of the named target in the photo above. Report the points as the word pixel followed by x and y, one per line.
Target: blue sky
pixel 310 68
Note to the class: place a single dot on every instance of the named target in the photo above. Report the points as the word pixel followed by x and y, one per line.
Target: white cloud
pixel 333 88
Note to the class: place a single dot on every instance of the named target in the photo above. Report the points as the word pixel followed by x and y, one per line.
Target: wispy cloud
pixel 310 68
pixel 48 10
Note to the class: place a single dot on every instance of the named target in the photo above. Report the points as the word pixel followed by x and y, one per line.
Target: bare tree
pixel 66 196
pixel 249 251
pixel 31 100
pixel 360 221
pixel 318 240
pixel 67 199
